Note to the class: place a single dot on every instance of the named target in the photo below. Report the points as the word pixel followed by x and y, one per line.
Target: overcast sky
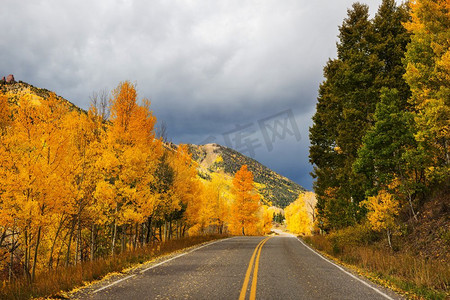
pixel 239 73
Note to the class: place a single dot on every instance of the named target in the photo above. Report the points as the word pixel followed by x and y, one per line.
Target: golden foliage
pixel 383 208
pixel 298 220
pixel 265 220
pixel 427 73
pixel 246 203
pixel 75 186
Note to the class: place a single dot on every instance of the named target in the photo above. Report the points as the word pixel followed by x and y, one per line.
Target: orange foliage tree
pixel 128 163
pixel 246 203
pixel 34 174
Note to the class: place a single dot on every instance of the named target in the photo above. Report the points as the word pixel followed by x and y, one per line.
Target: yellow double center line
pixel 257 254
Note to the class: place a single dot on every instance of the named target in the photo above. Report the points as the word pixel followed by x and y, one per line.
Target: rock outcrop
pixel 10 79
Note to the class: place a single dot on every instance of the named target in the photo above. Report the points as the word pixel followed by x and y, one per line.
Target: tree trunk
pixel 184 230
pixel 26 264
pixel 411 206
pixel 92 242
pixel 149 230
pixel 70 243
pixel 60 249
pixel 142 237
pixel 136 235
pixel 78 246
pixel 170 230
pixel 165 230
pixel 11 263
pixel 389 237
pixel 113 242
pixel 38 240
pixel 124 238
pixel 50 259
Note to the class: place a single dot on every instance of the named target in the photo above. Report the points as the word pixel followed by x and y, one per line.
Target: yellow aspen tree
pixel 162 189
pixel 427 62
pixel 6 219
pixel 265 220
pixel 200 213
pixel 82 176
pixel 246 203
pixel 128 161
pixel 383 208
pixel 142 160
pixel 219 197
pixel 36 183
pixel 187 188
pixel 298 220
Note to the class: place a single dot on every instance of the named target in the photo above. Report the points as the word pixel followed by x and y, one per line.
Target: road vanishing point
pixel 274 267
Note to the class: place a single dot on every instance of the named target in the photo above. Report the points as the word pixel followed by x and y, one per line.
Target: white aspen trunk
pixel 389 237
pixel 113 242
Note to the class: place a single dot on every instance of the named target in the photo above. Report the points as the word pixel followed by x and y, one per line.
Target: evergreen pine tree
pixel 370 54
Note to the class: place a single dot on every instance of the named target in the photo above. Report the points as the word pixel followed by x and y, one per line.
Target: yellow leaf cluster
pixel 383 208
pixel 298 220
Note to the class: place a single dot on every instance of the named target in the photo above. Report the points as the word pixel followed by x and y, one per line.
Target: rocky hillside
pixel 272 186
pixel 14 90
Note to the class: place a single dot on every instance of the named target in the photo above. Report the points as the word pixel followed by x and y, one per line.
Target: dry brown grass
pixel 417 276
pixel 54 283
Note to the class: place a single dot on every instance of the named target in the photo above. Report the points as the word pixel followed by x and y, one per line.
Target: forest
pixel 80 186
pixel 380 138
pixel 380 145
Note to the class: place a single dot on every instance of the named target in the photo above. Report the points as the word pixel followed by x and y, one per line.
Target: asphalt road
pixel 285 268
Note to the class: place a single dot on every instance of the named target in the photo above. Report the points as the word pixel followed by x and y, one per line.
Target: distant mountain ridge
pixel 274 187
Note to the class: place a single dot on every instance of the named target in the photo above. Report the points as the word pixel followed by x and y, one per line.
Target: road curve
pixel 285 268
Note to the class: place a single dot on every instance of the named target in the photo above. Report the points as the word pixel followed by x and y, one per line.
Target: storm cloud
pixel 207 66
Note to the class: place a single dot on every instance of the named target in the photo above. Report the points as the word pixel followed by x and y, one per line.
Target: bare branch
pixel 162 132
pixel 100 104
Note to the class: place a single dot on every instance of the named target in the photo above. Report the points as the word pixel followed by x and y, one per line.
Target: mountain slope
pixel 272 186
pixel 18 89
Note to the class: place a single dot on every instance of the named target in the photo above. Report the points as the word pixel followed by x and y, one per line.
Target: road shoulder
pixel 353 272
pixel 117 277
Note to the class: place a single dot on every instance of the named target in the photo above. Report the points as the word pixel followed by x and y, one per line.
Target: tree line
pixel 380 134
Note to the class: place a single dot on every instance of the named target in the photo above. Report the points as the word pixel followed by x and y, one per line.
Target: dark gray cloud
pixel 206 65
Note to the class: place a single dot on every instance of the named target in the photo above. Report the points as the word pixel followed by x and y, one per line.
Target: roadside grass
pixel 55 283
pixel 414 276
